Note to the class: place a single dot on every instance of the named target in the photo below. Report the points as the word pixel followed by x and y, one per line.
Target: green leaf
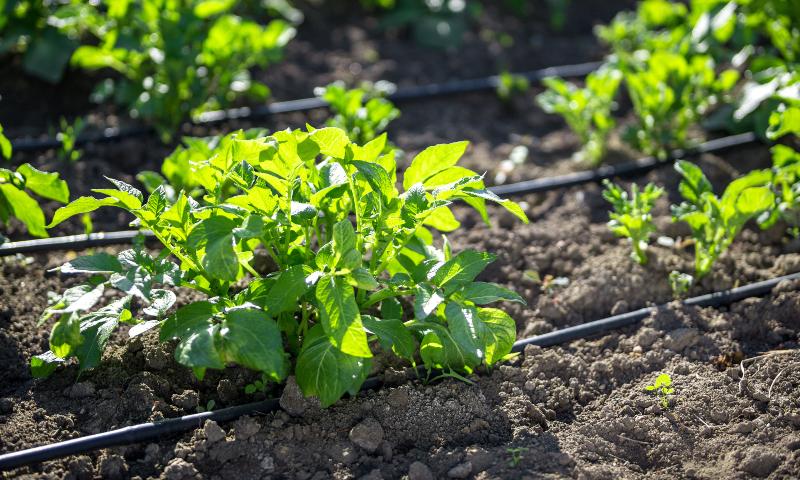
pixel 79 206
pixel 200 349
pixel 377 178
pixel 252 339
pixel 467 331
pixel 282 292
pixel 215 234
pixel 426 300
pixel 186 320
pixel 461 269
pixel 344 237
pixel 96 329
pixel 361 278
pixel 340 317
pixel 392 334
pixel 157 202
pixel 326 372
pixel 498 334
pixel 47 185
pixel 66 335
pixel 24 208
pixel 210 8
pixel 252 227
pixel 509 205
pixel 440 349
pixel 160 301
pixel 694 182
pixel 332 141
pixel 77 299
pixel 43 365
pixel 97 263
pixel 482 293
pixel 392 308
pixel 431 161
pixel 5 145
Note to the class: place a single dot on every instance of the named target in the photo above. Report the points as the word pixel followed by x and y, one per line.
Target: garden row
pixel 279 263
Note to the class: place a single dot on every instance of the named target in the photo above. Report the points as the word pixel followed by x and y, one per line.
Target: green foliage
pixel 786 186
pixel 680 283
pixel 5 145
pixel 516 455
pixel 361 112
pixel 180 57
pixel 346 243
pixel 187 168
pixel 510 84
pixel 670 94
pixel 68 136
pixel 15 199
pixel 663 388
pixel 44 33
pixel 631 217
pixel 586 110
pixel 715 221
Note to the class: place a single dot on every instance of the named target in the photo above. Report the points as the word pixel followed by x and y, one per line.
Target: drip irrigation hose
pixel 157 430
pixel 539 185
pixel 72 242
pixel 420 92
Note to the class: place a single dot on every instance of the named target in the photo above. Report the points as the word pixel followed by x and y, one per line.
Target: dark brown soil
pixel 578 410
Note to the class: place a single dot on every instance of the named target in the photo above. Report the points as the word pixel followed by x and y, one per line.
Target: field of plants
pixel 412 239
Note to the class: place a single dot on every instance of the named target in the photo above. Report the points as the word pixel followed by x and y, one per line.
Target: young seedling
pixel 346 243
pixel 715 221
pixel 259 385
pixel 786 186
pixel 631 217
pixel 670 93
pixel 516 455
pixel 680 283
pixel 586 110
pixel 510 84
pixel 361 112
pixel 68 136
pixel 663 388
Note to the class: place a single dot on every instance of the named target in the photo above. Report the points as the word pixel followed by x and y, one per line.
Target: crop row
pixel 309 257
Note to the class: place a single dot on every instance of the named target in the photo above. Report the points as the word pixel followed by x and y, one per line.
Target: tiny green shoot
pixel 631 217
pixel 663 388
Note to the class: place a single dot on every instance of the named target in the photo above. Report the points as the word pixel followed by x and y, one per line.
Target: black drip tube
pixel 157 430
pixel 455 87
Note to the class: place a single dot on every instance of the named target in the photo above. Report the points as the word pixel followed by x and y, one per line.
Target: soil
pixel 579 410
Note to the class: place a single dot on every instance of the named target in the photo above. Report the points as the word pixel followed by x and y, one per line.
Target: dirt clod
pixel 419 471
pixel 368 434
pixel 213 432
pixel 292 399
pixel 113 467
pixel 760 462
pixel 462 470
pixel 179 469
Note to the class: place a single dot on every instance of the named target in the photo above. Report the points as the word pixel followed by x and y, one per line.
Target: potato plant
pixel 353 265
pixel 670 94
pixel 715 221
pixel 180 57
pixel 586 110
pixel 631 217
